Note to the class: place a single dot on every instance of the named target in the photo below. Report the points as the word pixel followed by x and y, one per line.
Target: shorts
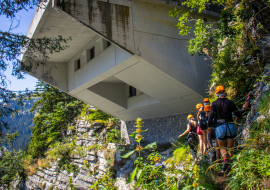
pixel 226 131
pixel 203 124
pixel 199 131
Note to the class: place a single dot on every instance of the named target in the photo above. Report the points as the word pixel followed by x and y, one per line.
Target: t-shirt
pixel 224 108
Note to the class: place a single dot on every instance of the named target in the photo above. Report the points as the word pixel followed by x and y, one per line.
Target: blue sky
pixel 25 18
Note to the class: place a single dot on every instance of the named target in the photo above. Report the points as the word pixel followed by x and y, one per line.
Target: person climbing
pixel 212 136
pixel 192 138
pixel 203 122
pixel 199 131
pixel 226 129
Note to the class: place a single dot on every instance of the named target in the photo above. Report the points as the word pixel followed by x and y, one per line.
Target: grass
pixel 251 168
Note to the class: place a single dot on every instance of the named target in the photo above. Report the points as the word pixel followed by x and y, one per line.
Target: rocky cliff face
pixel 98 160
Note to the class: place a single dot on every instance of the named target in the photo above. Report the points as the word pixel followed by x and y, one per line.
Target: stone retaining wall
pixel 164 129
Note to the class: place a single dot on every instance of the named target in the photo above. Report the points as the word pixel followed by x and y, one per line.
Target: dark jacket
pixel 224 109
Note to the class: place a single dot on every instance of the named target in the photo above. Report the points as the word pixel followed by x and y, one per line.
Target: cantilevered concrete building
pixel 126 56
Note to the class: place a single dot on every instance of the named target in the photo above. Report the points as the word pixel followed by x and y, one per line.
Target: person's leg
pixel 230 144
pixel 217 150
pixel 223 151
pixel 205 139
pixel 232 132
pixel 191 144
pixel 209 139
pixel 201 144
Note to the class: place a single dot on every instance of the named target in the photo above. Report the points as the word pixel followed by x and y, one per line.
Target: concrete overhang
pixel 155 62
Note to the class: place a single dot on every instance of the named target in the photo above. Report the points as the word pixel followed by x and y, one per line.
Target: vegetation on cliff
pixel 55 110
pixel 233 43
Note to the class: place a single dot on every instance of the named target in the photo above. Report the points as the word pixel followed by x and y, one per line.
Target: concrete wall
pixel 53 73
pixel 147 53
pixel 112 19
pixel 157 41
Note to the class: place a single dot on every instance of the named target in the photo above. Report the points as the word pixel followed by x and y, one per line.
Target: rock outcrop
pixel 98 161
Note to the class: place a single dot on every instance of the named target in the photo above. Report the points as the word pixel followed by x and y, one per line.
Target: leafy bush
pixel 113 136
pixel 251 169
pixel 63 151
pixel 228 42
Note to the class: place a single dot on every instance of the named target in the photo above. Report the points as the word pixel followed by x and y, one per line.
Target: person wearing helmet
pixel 211 136
pixel 199 131
pixel 202 117
pixel 225 130
pixel 192 135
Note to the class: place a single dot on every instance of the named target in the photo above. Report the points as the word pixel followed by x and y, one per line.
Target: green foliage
pixel 12 45
pixel 63 151
pixel 181 154
pixel 251 166
pixel 226 42
pixel 106 182
pixel 150 175
pixel 251 169
pixel 70 184
pixel 56 110
pixel 113 136
pixel 11 164
pixel 95 147
pixel 264 106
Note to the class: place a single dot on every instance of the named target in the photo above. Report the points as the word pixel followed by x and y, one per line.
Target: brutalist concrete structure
pixel 126 57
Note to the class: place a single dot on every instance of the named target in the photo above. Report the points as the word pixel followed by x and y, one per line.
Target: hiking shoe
pixel 226 166
pixel 213 157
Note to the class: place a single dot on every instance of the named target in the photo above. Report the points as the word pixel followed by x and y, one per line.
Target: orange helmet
pixel 207 108
pixel 156 159
pixel 198 106
pixel 206 100
pixel 190 116
pixel 219 88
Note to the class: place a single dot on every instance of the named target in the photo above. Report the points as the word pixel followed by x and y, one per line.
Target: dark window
pixel 205 19
pixel 92 53
pixel 79 64
pixel 108 44
pixel 132 91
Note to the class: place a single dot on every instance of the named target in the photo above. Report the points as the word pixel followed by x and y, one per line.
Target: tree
pixel 11 164
pixel 55 110
pixel 231 42
pixel 36 52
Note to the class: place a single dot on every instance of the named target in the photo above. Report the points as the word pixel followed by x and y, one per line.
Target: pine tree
pixel 55 109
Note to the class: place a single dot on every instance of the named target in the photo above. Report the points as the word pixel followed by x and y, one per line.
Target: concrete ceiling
pixel 57 23
pixel 112 79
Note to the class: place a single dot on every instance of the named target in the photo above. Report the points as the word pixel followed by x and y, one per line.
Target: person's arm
pixel 239 113
pixel 186 132
pixel 199 113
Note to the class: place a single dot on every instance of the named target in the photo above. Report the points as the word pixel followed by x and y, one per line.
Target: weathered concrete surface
pixel 112 19
pixel 146 53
